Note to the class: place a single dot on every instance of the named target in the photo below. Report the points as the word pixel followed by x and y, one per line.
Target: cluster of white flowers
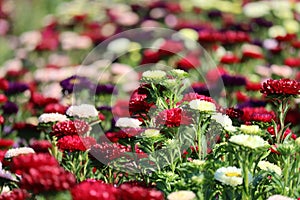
pixel 18 151
pixel 279 197
pixel 224 120
pixel 82 111
pixel 52 117
pixel 151 133
pixel 250 129
pixel 182 195
pixel 127 122
pixel 267 166
pixel 229 175
pixel 154 75
pixel 202 106
pixel 251 141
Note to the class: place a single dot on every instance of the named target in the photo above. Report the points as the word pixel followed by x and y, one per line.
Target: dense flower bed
pixel 176 100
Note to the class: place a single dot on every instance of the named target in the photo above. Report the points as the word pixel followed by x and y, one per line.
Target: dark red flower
pixel 229 59
pixel 107 152
pixel 241 97
pixel 193 96
pixel 50 40
pixel 55 108
pixel 40 146
pixel 170 47
pixel 234 113
pixel 173 118
pixel 209 36
pixel 121 109
pixel 6 143
pixel 88 190
pixel 292 62
pixel 2 120
pixel 76 127
pixel 46 179
pixel 252 54
pixel 75 143
pixel 41 101
pixel 138 105
pixel 4 84
pixel 15 194
pixel 250 86
pixel 150 56
pixel 3 98
pixel 129 192
pixel 257 114
pixel 280 87
pixel 23 163
pixel 187 63
pixel 286 132
pixel 124 133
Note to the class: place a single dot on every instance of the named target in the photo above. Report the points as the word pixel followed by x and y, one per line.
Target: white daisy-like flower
pixel 229 175
pixel 151 133
pixel 224 120
pixel 267 166
pixel 52 117
pixel 178 73
pixel 18 151
pixel 256 9
pixel 82 111
pixel 127 122
pixel 182 195
pixel 250 129
pixel 279 197
pixel 198 162
pixel 154 75
pixel 251 141
pixel 202 106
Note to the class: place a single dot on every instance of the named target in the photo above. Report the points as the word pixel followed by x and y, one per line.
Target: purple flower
pixel 105 89
pixel 10 108
pixel 263 22
pixel 77 83
pixel 229 80
pixel 252 103
pixel 15 88
pixel 214 14
pixel 104 108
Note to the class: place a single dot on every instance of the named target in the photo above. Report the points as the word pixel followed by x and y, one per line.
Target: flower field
pixel 149 99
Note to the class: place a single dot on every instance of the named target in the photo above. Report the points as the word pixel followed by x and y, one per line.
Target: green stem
pixel 286 175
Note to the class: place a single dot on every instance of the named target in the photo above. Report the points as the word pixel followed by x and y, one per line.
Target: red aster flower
pixel 6 143
pixel 189 62
pixel 4 84
pixel 173 118
pixel 75 143
pixel 76 127
pixel 129 192
pixel 47 179
pixel 209 36
pixel 280 87
pixel 23 163
pixel 229 59
pixel 257 114
pixel 241 97
pixel 15 194
pixel 94 191
pixel 150 56
pixel 292 62
pixel 40 146
pixel 50 40
pixel 252 54
pixel 234 113
pixel 3 98
pixel 55 108
pixel 124 133
pixel 107 152
pixel 2 154
pixel 138 104
pixel 170 47
pixel 286 133
pixel 192 96
pixel 121 109
pixel 41 101
pixel 250 86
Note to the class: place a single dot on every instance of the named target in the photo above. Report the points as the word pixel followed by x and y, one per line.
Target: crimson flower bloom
pixel 129 192
pixel 76 127
pixel 75 143
pixel 47 178
pixel 292 62
pixel 280 87
pixel 286 132
pixel 15 194
pixel 94 191
pixel 173 118
pixel 257 114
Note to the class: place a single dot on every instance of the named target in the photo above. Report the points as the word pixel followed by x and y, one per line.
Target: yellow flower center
pixel 232 174
pixel 74 81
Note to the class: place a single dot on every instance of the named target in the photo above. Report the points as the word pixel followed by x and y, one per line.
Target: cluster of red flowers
pixel 259 114
pixel 280 87
pixel 101 191
pixel 75 143
pixel 41 173
pixel 76 127
pixel 108 151
pixel 173 118
pixel 16 194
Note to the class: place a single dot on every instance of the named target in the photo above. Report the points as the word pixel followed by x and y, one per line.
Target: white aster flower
pixel 127 122
pixel 182 195
pixel 178 73
pixel 229 175
pixel 279 197
pixel 154 75
pixel 18 151
pixel 203 106
pixel 82 111
pixel 224 120
pixel 198 162
pixel 151 133
pixel 251 141
pixel 276 31
pixel 256 9
pixel 52 117
pixel 250 129
pixel 267 166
